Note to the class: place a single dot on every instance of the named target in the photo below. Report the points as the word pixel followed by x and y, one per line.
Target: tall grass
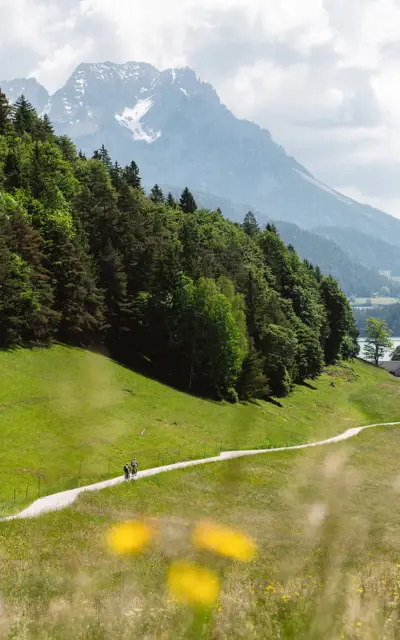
pixel 327 527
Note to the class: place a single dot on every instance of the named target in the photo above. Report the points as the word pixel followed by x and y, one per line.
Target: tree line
pixel 211 306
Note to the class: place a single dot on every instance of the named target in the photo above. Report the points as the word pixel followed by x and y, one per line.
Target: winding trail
pixel 64 499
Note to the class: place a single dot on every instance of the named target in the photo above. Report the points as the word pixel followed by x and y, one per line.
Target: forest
pixel 389 313
pixel 210 306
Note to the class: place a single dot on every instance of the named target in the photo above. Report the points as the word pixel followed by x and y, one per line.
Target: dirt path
pixel 66 498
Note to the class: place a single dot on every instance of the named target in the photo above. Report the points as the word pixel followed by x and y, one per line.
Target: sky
pixel 322 75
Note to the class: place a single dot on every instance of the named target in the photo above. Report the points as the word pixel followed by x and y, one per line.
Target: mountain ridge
pixel 173 124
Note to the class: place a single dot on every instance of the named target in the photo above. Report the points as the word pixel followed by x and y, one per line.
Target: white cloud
pixel 322 75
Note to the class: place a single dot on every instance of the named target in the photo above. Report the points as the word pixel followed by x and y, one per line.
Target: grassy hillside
pixel 69 417
pixel 326 523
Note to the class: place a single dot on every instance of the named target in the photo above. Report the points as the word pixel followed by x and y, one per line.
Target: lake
pixel 396 343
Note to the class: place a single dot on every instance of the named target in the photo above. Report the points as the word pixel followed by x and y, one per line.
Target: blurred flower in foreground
pixel 196 585
pixel 130 537
pixel 224 541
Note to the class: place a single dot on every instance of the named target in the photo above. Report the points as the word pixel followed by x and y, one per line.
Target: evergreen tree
pixel 187 202
pixel 338 318
pixel 67 149
pixel 47 125
pixel 250 224
pixel 12 171
pixel 117 176
pixel 171 202
pixel 132 176
pixel 103 155
pixel 44 129
pixel 253 382
pixel 5 112
pixel 26 299
pixel 24 116
pixel 78 300
pixel 156 195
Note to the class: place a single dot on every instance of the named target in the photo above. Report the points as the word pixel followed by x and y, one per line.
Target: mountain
pixel 29 87
pixel 372 252
pixel 175 127
pixel 355 278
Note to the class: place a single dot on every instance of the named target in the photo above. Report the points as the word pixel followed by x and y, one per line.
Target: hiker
pixel 134 466
pixel 127 471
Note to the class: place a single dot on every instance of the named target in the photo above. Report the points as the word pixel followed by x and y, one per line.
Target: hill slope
pixel 368 250
pixel 354 276
pixel 175 126
pixel 72 417
pixel 326 545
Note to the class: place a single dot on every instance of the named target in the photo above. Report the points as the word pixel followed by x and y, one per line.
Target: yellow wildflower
pixel 270 588
pixel 360 590
pixel 192 584
pixel 358 624
pixel 129 537
pixel 224 541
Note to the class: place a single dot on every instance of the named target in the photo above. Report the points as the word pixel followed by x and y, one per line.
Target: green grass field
pixel 69 418
pixel 378 301
pixel 326 523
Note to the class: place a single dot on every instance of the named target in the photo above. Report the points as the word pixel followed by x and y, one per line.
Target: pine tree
pixel 253 382
pixel 117 312
pixel 187 202
pixel 117 176
pixel 271 228
pixel 103 155
pixel 171 202
pixel 36 180
pixel 12 171
pixel 48 126
pixel 156 195
pixel 250 224
pixel 24 116
pixel 44 129
pixel 78 300
pixel 5 112
pixel 27 243
pixel 132 177
pixel 26 298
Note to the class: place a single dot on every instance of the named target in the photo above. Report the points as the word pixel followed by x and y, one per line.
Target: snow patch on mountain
pixel 81 85
pixel 46 110
pixel 131 119
pixel 324 187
